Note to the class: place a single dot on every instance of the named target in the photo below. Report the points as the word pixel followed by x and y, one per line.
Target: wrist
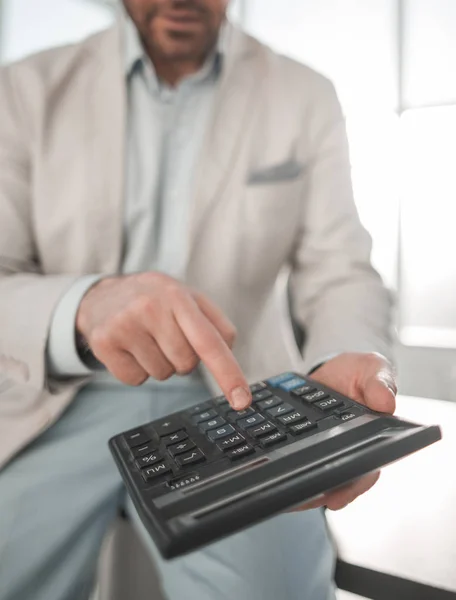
pixel 83 320
pixel 85 309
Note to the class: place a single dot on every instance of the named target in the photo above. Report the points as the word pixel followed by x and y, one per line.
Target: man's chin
pixel 178 50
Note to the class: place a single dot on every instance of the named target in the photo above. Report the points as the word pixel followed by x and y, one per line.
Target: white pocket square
pixel 276 173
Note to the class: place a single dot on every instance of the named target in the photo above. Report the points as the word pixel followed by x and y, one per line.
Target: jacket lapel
pixel 232 106
pixel 105 123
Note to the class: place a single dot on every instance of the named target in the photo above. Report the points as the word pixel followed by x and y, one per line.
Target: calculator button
pixel 348 415
pixel 167 426
pixel 240 452
pixel 221 432
pixel 220 400
pixel 174 438
pixel 263 429
pixel 275 381
pixel 234 416
pixel 230 442
pixel 143 450
pixel 269 402
pixel 293 417
pixel 302 427
pixel 274 438
pixel 180 448
pixel 256 387
pixel 314 396
pixel 282 409
pixel 292 384
pixel 205 416
pixel 255 419
pixel 156 471
pixel 261 395
pixel 328 404
pixel 304 389
pixel 136 438
pixel 212 424
pixel 199 408
pixel 191 458
pixel 147 461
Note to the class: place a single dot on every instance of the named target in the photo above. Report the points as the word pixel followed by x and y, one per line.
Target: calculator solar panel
pixel 203 473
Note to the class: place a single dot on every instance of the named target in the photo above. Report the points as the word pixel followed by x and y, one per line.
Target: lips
pixel 183 25
pixel 183 16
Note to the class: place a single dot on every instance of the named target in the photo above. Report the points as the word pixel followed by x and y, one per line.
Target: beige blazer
pixel 273 192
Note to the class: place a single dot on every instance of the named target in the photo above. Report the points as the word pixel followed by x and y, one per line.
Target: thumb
pixel 380 392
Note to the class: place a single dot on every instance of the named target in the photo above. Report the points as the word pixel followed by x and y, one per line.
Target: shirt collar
pixel 134 53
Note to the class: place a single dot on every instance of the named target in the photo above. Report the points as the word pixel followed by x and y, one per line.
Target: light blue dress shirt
pixel 165 131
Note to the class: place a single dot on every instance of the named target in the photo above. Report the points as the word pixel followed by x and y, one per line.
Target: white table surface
pixel 406 525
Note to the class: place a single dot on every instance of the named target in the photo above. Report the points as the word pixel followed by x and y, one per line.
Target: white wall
pixel 32 25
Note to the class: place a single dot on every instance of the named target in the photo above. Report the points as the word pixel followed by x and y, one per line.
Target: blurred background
pixel 393 63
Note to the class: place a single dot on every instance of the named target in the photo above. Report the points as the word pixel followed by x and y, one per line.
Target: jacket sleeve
pixel 27 297
pixel 337 297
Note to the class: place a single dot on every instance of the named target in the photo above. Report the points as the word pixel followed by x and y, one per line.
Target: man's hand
pixel 368 379
pixel 150 325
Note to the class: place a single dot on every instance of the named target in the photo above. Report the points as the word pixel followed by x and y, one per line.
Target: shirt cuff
pixel 63 359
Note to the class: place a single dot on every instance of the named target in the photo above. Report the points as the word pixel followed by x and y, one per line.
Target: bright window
pixel 429 39
pixel 428 217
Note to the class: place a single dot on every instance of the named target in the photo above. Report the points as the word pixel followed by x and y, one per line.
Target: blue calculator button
pixel 292 384
pixel 275 381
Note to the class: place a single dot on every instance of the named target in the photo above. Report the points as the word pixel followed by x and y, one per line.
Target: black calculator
pixel 206 472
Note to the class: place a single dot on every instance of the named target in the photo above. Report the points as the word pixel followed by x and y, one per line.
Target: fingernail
pixel 240 398
pixel 393 392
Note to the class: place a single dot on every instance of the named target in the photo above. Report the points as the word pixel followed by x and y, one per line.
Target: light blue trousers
pixel 59 496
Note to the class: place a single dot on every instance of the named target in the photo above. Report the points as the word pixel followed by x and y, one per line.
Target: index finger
pixel 213 351
pixel 216 316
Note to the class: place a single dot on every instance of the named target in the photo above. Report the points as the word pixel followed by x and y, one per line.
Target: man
pixel 154 181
